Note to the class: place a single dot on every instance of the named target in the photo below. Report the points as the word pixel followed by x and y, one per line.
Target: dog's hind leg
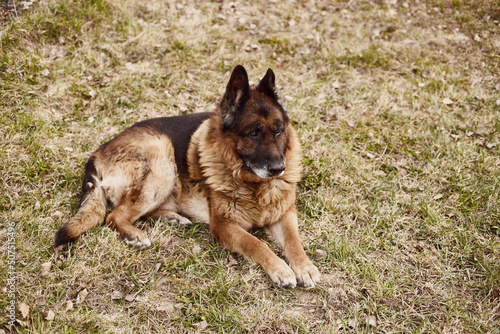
pixel 151 193
pixel 142 179
pixel 170 215
pixel 121 219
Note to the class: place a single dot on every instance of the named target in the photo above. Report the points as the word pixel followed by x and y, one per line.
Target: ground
pixel 397 107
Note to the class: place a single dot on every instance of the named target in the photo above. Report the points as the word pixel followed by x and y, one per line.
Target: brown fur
pixel 243 164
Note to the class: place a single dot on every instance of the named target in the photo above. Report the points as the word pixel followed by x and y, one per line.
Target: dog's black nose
pixel 277 168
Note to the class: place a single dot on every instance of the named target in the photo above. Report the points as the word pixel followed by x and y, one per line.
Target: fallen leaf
pixel 320 254
pixel 123 100
pixel 372 320
pixel 24 309
pixel 293 313
pixel 392 12
pixel 50 315
pixel 284 328
pixel 116 295
pixel 45 268
pixel 230 261
pixel 130 297
pixel 69 305
pixel 167 307
pixel 491 145
pixel 57 215
pixel 438 196
pixel 447 101
pixel 196 249
pixel 201 325
pixel 184 96
pixel 370 155
pixel 162 282
pixel 81 296
pixel 476 80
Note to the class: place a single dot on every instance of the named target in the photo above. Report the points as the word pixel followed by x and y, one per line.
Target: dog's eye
pixel 255 131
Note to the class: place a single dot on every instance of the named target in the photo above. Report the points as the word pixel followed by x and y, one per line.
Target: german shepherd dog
pixel 235 169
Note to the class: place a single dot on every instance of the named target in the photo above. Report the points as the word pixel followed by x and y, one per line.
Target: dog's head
pixel 256 122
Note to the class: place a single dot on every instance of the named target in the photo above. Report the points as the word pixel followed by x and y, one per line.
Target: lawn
pixel 397 106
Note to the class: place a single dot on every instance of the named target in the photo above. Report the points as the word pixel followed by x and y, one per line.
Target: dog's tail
pixel 91 210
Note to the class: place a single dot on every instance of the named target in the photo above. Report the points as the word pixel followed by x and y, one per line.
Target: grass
pixel 397 107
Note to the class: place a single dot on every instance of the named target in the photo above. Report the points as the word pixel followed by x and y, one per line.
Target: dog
pixel 235 169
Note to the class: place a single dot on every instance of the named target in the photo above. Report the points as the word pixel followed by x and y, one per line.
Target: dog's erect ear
pixel 237 93
pixel 266 85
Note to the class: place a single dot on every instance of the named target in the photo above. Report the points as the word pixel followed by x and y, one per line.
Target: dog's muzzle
pixel 271 170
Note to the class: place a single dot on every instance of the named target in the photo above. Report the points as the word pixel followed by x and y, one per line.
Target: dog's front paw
pixel 307 274
pixel 282 275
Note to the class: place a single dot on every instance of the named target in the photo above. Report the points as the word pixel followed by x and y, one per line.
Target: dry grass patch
pixel 396 104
